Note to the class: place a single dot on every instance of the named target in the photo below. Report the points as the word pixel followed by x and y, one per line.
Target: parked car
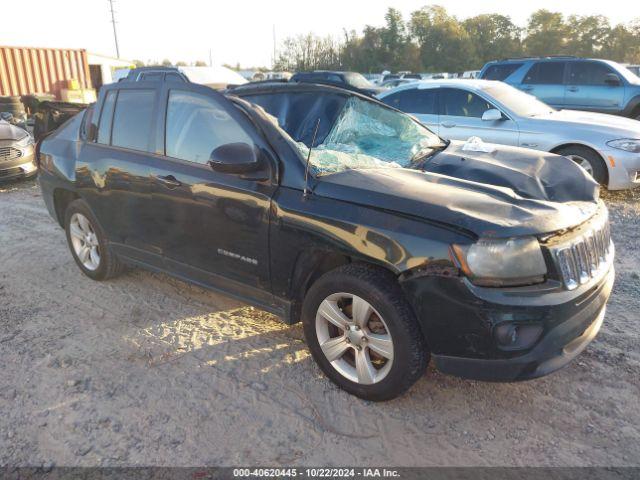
pixel 158 74
pixel 470 74
pixel 570 82
pixel 338 211
pixel 393 83
pixel 607 146
pixel 635 69
pixel 16 153
pixel 349 80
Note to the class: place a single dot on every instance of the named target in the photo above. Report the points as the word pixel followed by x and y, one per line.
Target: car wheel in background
pixel 362 332
pixel 88 243
pixel 589 160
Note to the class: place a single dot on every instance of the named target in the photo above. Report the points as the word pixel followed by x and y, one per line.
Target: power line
pixel 115 33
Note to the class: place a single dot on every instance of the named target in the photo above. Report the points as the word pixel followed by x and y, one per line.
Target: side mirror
pixel 234 158
pixel 492 115
pixel 612 79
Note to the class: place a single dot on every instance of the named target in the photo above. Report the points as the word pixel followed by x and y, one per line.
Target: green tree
pixel 166 62
pixel 444 44
pixel 138 63
pixel 587 35
pixel 546 34
pixel 494 36
pixel 623 43
pixel 200 63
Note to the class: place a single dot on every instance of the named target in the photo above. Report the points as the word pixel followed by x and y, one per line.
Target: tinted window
pixel 173 77
pixel 414 101
pixel 104 127
pixel 500 72
pixel 460 103
pixel 133 119
pixel 151 76
pixel 588 73
pixel 197 125
pixel 546 73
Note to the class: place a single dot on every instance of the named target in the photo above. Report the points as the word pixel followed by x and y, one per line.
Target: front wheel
pixel 362 332
pixel 589 160
pixel 88 243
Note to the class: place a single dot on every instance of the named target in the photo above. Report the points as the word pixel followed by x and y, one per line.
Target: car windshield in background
pixel 367 135
pixel 518 102
pixel 357 80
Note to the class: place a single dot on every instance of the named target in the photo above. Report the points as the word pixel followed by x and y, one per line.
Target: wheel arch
pixel 62 197
pixel 562 146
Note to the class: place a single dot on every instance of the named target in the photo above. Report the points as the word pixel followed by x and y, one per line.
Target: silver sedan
pixel 607 146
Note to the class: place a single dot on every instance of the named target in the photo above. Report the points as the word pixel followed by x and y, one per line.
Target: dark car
pixel 157 74
pixel 348 80
pixel 570 82
pixel 324 206
pixel 17 158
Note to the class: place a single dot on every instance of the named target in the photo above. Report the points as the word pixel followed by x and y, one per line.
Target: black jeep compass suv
pixel 324 206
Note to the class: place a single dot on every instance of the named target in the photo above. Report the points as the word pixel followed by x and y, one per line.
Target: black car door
pixel 113 169
pixel 214 226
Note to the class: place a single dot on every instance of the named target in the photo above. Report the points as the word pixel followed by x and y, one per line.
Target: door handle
pixel 448 124
pixel 573 89
pixel 169 181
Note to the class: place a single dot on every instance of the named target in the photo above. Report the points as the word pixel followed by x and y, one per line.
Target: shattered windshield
pixel 367 135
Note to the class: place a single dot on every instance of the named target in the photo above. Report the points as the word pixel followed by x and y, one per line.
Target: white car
pixel 607 146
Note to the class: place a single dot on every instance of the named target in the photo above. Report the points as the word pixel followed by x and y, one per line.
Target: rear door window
pixel 500 72
pixel 197 125
pixel 414 101
pixel 546 73
pixel 151 76
pixel 588 73
pixel 461 103
pixel 133 119
pixel 104 126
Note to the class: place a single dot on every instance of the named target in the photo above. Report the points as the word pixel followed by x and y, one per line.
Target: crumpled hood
pixel 600 122
pixel 509 192
pixel 11 132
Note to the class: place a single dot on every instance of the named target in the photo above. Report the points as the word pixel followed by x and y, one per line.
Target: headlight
pixel 503 262
pixel 25 142
pixel 626 144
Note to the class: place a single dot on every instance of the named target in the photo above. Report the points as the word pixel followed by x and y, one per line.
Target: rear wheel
pixel 589 160
pixel 362 332
pixel 88 243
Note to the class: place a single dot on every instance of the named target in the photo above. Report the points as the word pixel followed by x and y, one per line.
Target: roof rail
pixel 534 57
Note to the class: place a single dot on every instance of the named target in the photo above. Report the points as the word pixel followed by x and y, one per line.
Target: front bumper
pixel 461 332
pixel 22 167
pixel 623 167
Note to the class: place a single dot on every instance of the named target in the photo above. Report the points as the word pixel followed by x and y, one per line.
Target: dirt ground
pixel 147 370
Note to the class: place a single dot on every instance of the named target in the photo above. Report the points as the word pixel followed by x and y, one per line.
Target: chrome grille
pixel 9 153
pixel 584 257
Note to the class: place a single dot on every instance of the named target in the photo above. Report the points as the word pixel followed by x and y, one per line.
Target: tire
pixel 107 265
pixel 390 322
pixel 589 160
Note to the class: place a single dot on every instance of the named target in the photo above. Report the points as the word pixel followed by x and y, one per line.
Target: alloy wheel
pixel 84 241
pixel 354 338
pixel 583 162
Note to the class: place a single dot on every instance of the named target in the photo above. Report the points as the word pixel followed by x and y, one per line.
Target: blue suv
pixel 572 83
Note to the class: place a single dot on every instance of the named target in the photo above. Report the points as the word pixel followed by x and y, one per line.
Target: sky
pixel 240 31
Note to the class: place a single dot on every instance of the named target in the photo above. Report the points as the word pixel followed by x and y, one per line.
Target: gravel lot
pixel 147 370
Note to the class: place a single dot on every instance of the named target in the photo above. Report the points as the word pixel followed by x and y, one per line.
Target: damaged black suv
pixel 391 245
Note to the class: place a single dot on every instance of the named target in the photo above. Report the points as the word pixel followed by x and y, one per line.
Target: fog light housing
pixel 516 336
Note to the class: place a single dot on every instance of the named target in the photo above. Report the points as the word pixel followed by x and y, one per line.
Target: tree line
pixel 432 40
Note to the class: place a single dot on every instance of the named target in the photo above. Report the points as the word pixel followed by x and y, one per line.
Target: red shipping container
pixel 27 70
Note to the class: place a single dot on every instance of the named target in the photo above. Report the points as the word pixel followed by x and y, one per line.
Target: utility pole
pixel 115 33
pixel 273 63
